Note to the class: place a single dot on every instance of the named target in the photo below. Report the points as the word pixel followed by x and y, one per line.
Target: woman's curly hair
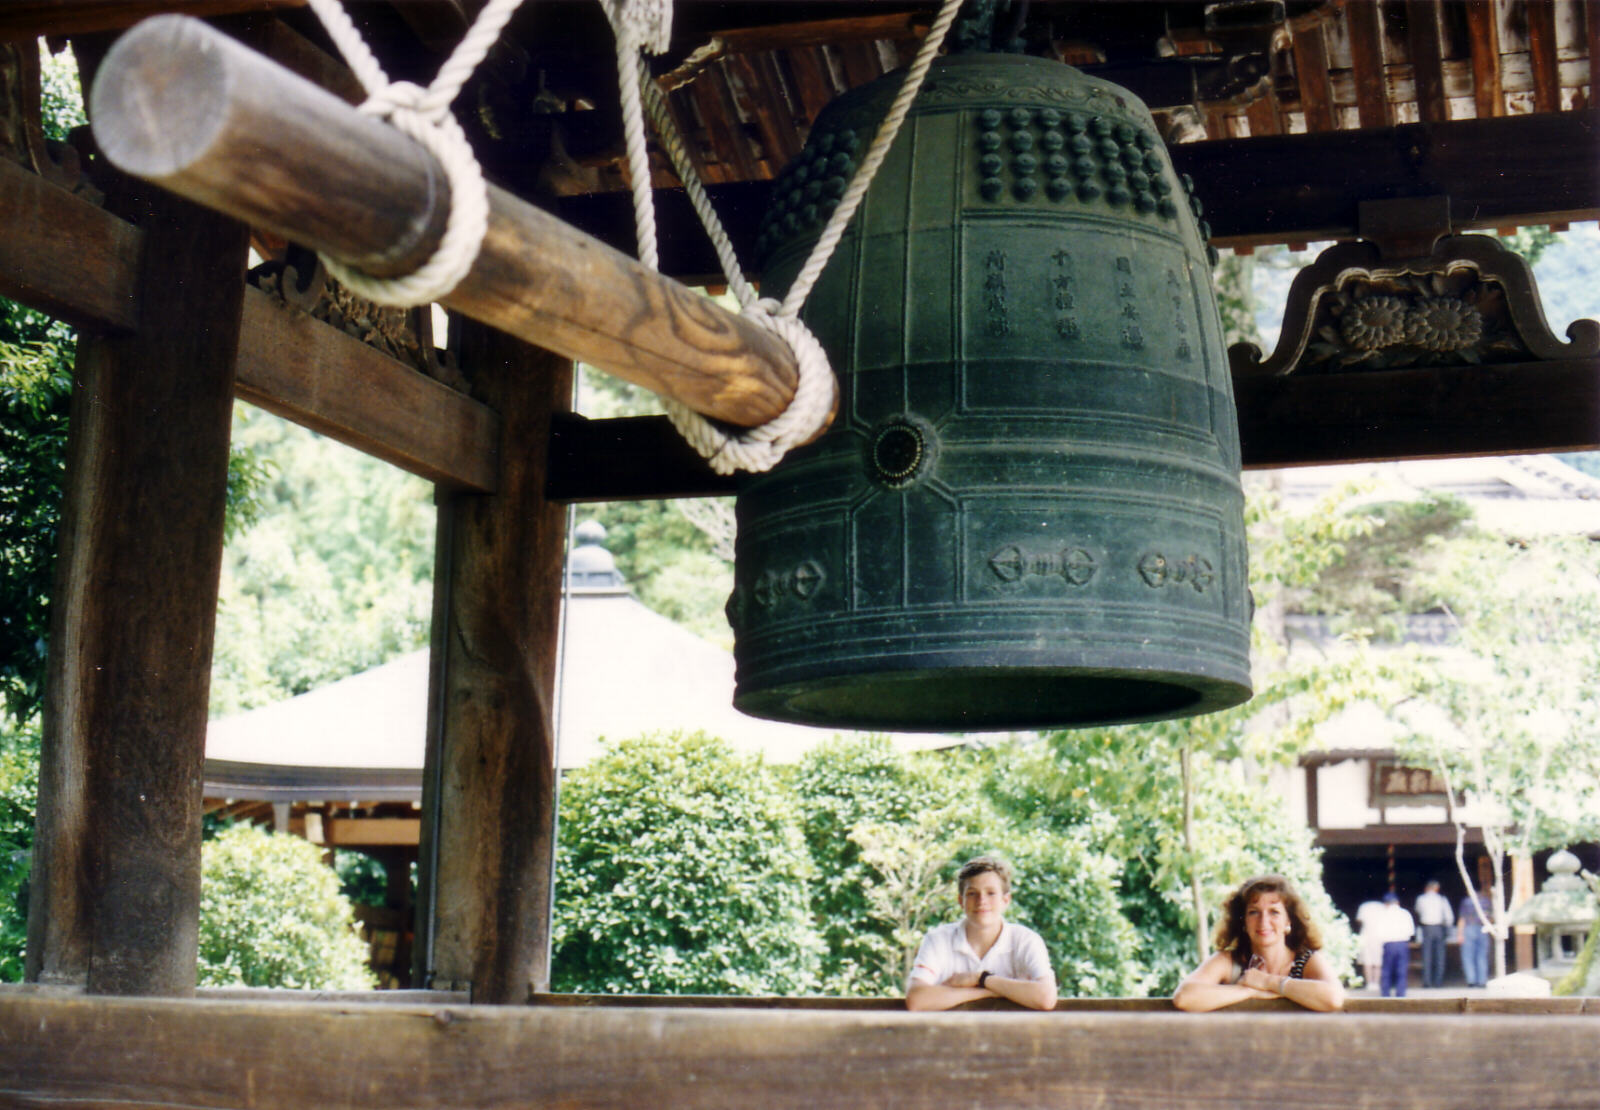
pixel 1232 936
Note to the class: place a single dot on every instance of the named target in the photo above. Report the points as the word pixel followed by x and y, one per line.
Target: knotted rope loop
pixel 423 114
pixel 760 449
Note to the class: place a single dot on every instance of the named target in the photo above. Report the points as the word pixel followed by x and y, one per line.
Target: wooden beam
pixel 36 18
pixel 811 80
pixel 1364 24
pixel 116 865
pixel 713 99
pixel 62 255
pixel 1300 188
pixel 354 832
pixel 314 374
pixel 1542 55
pixel 821 32
pixel 1424 40
pixel 1311 70
pixel 1417 414
pixel 189 109
pixel 1591 35
pixel 1483 28
pixel 489 781
pixel 1261 191
pixel 1308 420
pixel 76 1053
pixel 633 458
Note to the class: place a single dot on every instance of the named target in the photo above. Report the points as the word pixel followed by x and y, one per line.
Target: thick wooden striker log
pixel 184 106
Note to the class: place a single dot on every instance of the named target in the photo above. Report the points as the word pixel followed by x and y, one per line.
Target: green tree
pixel 334 576
pixel 681 870
pixel 859 801
pixel 271 915
pixel 1506 714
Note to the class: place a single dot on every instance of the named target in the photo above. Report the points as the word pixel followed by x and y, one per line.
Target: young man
pixel 982 955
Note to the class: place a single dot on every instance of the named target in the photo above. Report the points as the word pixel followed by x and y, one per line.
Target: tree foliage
pixel 681 870
pixel 334 576
pixel 859 795
pixel 271 915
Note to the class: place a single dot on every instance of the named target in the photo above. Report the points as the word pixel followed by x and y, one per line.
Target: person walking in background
pixel 1435 918
pixel 1395 927
pixel 1473 937
pixel 1371 943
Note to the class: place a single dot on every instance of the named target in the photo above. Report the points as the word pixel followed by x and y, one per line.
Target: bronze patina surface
pixel 1028 512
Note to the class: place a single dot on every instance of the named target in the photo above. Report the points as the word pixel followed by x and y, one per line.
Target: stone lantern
pixel 1562 913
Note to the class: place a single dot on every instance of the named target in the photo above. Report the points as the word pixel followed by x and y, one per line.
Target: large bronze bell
pixel 1028 512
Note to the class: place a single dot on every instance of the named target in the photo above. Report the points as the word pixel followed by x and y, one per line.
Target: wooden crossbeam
pixel 185 107
pixel 80 1052
pixel 1298 420
pixel 1300 188
pixel 1265 190
pixel 38 18
pixel 62 255
pixel 315 375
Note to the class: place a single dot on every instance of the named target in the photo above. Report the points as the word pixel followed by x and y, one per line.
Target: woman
pixel 1267 947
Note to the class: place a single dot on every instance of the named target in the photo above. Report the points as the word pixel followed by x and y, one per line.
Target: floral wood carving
pixel 1470 301
pixel 297 278
pixel 22 137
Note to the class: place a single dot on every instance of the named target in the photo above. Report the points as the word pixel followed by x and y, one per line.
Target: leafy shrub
pixel 681 871
pixel 850 789
pixel 271 915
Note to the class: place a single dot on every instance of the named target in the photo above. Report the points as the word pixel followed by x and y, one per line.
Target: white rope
pixel 424 115
pixel 822 251
pixel 758 449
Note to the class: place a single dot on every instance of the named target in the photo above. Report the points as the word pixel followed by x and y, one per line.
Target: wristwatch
pixel 982 978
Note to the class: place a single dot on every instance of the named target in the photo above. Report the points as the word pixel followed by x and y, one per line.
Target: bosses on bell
pixel 983 955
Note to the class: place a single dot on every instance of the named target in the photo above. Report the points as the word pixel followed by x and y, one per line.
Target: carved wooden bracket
pixel 295 276
pixel 1468 301
pixel 22 137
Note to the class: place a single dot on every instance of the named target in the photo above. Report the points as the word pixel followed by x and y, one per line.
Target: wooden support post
pixel 488 839
pixel 116 866
pixel 184 106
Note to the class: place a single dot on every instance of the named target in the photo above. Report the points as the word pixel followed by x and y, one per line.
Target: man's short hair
pixel 982 864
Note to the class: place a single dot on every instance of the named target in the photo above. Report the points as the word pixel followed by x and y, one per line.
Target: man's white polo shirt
pixel 1018 953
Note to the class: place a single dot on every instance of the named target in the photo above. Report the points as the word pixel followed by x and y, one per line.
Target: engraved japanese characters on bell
pixel 996 321
pixel 1159 570
pixel 1013 563
pixel 1128 299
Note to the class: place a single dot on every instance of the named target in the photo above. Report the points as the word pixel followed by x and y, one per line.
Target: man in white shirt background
pixel 1435 917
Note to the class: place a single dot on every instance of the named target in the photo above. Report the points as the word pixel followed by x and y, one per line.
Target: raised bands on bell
pixel 1028 513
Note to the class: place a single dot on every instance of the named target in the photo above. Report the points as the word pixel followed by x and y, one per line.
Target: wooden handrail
pixel 179 104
